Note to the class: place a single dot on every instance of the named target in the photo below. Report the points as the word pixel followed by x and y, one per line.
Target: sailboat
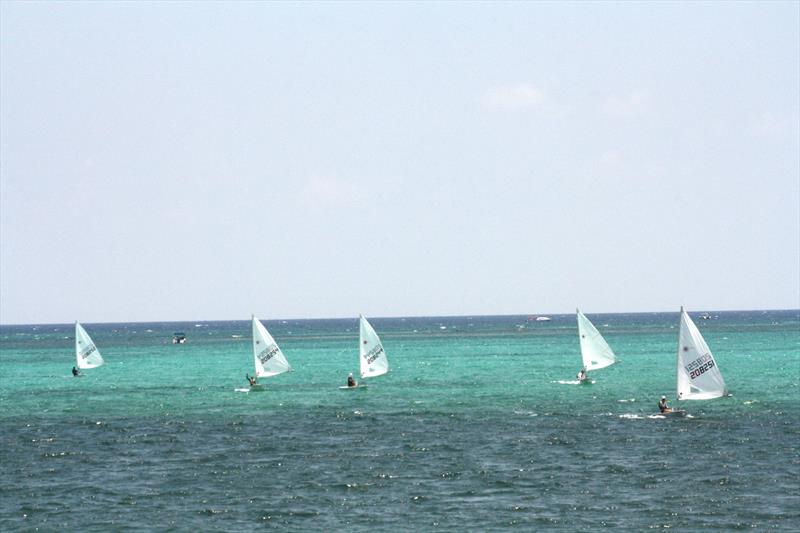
pixel 372 357
pixel 267 356
pixel 595 351
pixel 697 374
pixel 86 353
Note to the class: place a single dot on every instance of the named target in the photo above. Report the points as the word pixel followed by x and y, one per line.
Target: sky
pixel 183 161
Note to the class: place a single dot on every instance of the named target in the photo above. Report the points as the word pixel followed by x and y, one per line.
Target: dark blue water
pixel 471 430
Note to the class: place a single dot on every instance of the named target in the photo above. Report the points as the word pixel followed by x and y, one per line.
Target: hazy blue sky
pixel 170 161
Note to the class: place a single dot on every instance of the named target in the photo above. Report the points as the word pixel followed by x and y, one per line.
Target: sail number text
pixel 89 351
pixel 268 353
pixel 373 354
pixel 700 366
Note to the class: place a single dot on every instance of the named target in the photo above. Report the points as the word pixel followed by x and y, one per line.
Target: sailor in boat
pixel 662 405
pixel 75 372
pixel 351 382
pixel 582 375
pixel 251 380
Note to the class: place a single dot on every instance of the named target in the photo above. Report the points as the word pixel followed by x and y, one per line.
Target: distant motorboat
pixel 178 338
pixel 543 319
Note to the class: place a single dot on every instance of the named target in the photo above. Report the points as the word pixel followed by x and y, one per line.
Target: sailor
pixel 582 374
pixel 75 372
pixel 662 405
pixel 251 380
pixel 350 381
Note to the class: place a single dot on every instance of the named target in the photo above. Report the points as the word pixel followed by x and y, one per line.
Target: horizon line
pixel 469 315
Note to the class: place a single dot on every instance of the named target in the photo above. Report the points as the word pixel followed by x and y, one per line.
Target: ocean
pixel 477 427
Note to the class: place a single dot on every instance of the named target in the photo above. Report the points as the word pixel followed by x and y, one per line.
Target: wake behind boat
pixel 585 381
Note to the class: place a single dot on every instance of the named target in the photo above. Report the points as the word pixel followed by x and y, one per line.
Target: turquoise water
pixel 476 427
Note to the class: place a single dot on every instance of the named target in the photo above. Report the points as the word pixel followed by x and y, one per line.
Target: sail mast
pixel 678 358
pixel 255 352
pixel 77 347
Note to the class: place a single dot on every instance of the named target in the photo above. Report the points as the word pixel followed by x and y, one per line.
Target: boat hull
pixel 672 413
pixel 258 387
pixel 361 386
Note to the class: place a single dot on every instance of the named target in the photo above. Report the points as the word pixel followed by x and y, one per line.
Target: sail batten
pixel 267 356
pixel 86 353
pixel 372 357
pixel 697 375
pixel 595 351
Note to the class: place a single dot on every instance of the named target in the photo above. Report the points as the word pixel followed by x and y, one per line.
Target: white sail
pixel 268 357
pixel 594 350
pixel 86 353
pixel 698 375
pixel 372 356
